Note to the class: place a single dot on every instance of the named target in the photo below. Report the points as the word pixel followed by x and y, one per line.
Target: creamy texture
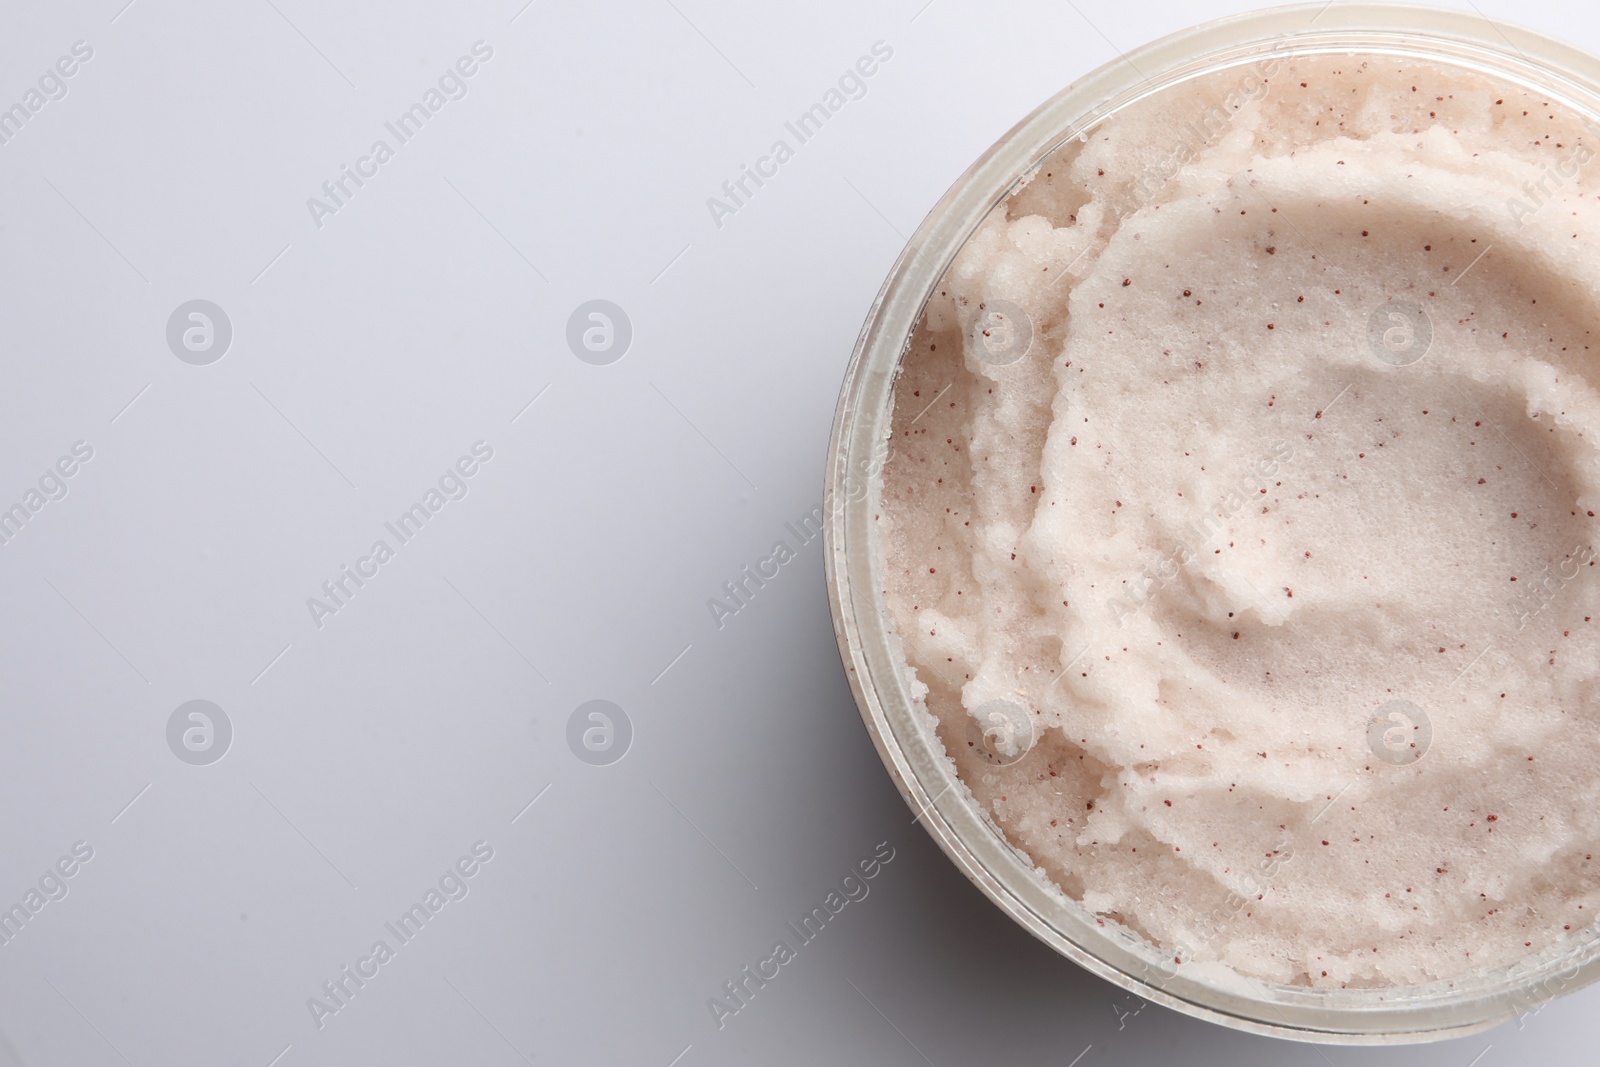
pixel 1220 515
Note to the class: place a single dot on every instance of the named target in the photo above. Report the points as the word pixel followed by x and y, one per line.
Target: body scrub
pixel 1238 521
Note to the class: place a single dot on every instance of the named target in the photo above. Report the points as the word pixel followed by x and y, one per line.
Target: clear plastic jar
pixel 875 658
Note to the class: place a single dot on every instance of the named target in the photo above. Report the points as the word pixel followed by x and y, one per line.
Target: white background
pixel 368 354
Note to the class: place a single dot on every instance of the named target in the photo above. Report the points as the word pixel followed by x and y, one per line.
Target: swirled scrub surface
pixel 1239 517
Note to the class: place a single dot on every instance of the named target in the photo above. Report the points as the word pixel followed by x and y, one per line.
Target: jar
pixel 875 659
